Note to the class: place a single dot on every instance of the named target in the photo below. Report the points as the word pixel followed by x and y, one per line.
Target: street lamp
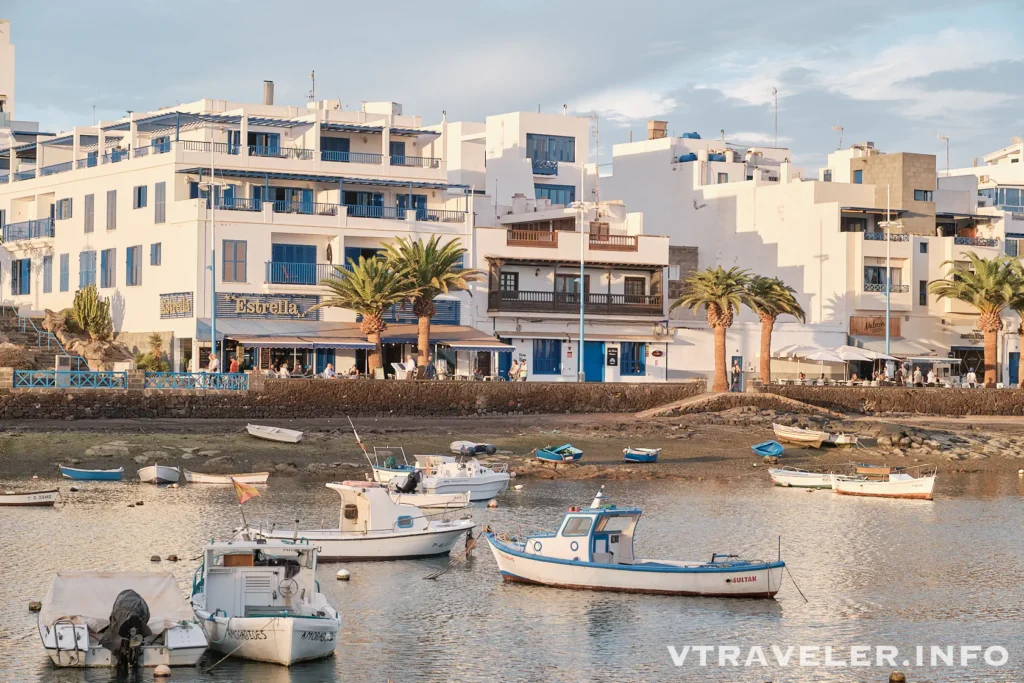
pixel 946 140
pixel 888 224
pixel 580 376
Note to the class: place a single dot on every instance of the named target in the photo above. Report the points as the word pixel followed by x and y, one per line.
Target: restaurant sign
pixel 177 305
pixel 264 306
pixel 874 325
pixel 973 336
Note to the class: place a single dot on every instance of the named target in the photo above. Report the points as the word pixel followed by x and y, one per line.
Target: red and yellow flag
pixel 244 491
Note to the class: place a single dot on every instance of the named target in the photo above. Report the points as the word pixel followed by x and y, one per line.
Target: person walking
pixel 234 364
pixel 737 374
pixel 972 379
pixel 522 372
pixel 214 365
pixel 430 372
pixel 918 377
pixel 513 371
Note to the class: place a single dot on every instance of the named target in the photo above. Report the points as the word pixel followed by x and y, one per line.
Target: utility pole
pixel 774 92
pixel 312 91
pixel 597 157
pixel 840 129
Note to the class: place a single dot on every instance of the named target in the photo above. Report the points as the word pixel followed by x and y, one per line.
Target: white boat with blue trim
pixel 593 549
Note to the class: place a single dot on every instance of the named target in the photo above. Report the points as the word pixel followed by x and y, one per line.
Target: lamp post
pixel 946 140
pixel 211 199
pixel 580 376
pixel 888 224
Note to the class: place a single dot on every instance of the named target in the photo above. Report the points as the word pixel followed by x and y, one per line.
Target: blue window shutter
pixel 353 254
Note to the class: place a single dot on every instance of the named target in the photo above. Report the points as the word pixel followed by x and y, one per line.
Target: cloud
pixel 754 138
pixel 626 104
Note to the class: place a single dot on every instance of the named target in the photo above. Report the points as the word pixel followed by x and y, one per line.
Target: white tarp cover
pixel 90 596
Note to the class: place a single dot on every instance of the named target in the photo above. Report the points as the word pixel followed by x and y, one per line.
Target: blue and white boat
pixel 593 549
pixel 564 453
pixel 640 454
pixel 91 475
pixel 386 466
pixel 767 448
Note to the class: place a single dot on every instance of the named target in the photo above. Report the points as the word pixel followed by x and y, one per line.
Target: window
pixel 90 212
pixel 826 176
pixel 47 274
pixel 634 289
pixel 550 147
pixel 234 261
pixel 675 271
pixel 922 292
pixel 139 197
pixel 858 177
pixel 111 209
pixel 1012 247
pixel 723 178
pixel 558 194
pixel 633 358
pixel 875 275
pixel 852 224
pixel 547 356
pixel 567 288
pixel 86 269
pixel 133 266
pixel 509 281
pixel 577 526
pixel 108 268
pixel 63 210
pixel 924 247
pixel 160 203
pixel 65 272
pixel 922 195
pixel 21 276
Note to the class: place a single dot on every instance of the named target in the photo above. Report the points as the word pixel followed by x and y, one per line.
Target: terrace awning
pixel 538 261
pixel 303 342
pixel 899 346
pixel 170 119
pixel 871 210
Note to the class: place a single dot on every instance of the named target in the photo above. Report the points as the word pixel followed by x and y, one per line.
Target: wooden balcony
pixel 520 301
pixel 532 238
pixel 606 242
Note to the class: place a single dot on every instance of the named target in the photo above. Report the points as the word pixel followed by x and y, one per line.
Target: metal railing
pixel 976 241
pixel 114 156
pixel 308 208
pixel 141 152
pixel 880 237
pixel 224 381
pixel 896 289
pixel 27 325
pixel 421 162
pixel 544 167
pixel 204 146
pixel 605 242
pixel 4 179
pixel 27 230
pixel 285 273
pixel 365 211
pixel 72 379
pixel 25 175
pixel 87 162
pixel 443 216
pixel 56 168
pixel 239 204
pixel 351 157
pixel 280 152
pixel 569 302
pixel 531 238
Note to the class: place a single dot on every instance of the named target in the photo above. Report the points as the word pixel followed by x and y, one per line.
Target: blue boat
pixel 91 475
pixel 640 454
pixel 768 448
pixel 565 453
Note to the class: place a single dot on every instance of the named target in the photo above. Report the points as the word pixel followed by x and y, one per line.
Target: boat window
pixel 405 522
pixel 616 523
pixel 577 526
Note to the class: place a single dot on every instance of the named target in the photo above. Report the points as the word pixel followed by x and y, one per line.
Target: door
pixel 736 377
pixel 419 203
pixel 593 361
pixel 504 360
pixel 396 149
pixel 293 264
pixel 323 357
pixel 1014 368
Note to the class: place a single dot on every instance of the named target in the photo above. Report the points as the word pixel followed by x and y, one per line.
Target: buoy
pixel 518 487
pixel 344 575
pixel 154 558
pixel 162 671
pixel 492 503
pixel 35 476
pixel 512 475
pixel 172 558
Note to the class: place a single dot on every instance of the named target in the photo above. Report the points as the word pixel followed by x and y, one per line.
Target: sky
pixel 895 72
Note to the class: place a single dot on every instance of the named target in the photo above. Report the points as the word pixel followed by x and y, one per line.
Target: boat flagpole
pixel 360 442
pixel 245 524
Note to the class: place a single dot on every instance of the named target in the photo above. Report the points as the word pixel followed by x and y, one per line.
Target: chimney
pixel 656 129
pixel 268 92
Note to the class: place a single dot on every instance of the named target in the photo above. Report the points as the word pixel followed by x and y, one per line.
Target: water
pixel 876 572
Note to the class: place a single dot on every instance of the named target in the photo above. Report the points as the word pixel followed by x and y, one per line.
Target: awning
pixel 597 336
pixel 539 261
pixel 494 345
pixel 303 342
pixel 319 178
pixel 899 346
pixel 871 210
pixel 934 360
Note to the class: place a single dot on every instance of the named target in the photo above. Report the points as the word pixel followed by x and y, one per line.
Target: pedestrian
pixel 284 372
pixel 522 371
pixel 214 364
pixel 932 379
pixel 234 364
pixel 737 373
pixel 430 372
pixel 918 377
pixel 513 371
pixel 901 379
pixel 972 379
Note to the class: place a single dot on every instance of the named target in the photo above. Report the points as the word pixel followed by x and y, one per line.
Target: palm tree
pixel 722 293
pixel 432 268
pixel 989 285
pixel 770 297
pixel 369 288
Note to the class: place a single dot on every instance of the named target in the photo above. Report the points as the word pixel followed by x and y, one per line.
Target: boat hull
pixel 480 488
pixel 336 546
pixel 190 644
pixel 250 478
pixel 276 640
pixel 384 475
pixel 920 488
pixel 438 501
pixel 274 433
pixel 640 455
pixel 159 474
pixel 92 475
pixel 802 480
pixel 647 576
pixel 802 437
pixel 768 448
pixel 30 498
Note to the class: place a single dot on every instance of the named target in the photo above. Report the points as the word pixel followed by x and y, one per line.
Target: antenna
pixel 312 90
pixel 774 92
pixel 597 156
pixel 839 128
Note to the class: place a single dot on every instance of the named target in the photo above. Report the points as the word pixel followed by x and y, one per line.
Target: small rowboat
pixel 640 454
pixel 767 448
pixel 841 440
pixel 274 433
pixel 30 498
pixel 564 453
pixel 897 484
pixel 472 448
pixel 801 479
pixel 159 474
pixel 803 437
pixel 92 475
pixel 250 478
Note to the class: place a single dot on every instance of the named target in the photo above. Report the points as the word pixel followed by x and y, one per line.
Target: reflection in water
pixel 877 572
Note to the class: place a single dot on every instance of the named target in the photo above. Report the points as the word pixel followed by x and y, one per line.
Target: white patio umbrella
pixel 847 352
pixel 797 351
pixel 823 356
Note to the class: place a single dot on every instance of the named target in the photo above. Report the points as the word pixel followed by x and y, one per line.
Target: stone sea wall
pixel 934 401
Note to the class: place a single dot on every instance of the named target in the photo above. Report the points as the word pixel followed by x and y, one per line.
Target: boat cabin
pixel 257 578
pixel 367 507
pixel 603 535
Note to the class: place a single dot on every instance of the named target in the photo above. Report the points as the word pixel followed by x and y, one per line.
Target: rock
pixel 131 505
pixel 956 456
pixel 154 455
pixel 207 454
pixel 34 606
pixel 916 439
pixel 187 456
pixel 162 671
pixel 220 461
pixel 139 503
pixel 884 441
pixel 107 450
pixel 191 449
pixel 915 446
pixel 283 466
pixel 344 575
pixel 154 558
pixel 141 459
pixel 932 443
pixel 172 558
pixel 75 461
pixel 904 442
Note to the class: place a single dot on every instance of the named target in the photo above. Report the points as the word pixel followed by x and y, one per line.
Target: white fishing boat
pixel 405 491
pixel 152 624
pixel 842 440
pixel 249 478
pixel 803 437
pixel 274 433
pixel 446 474
pixel 159 474
pixel 386 464
pixel 791 476
pixel 593 549
pixel 911 482
pixel 260 601
pixel 472 448
pixel 372 526
pixel 30 498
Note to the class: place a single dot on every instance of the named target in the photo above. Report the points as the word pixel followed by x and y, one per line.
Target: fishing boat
pixel 372 526
pixel 842 440
pixel 791 476
pixel 261 601
pixel 876 471
pixel 405 489
pixel 593 549
pixel 768 448
pixel 472 448
pixel 910 482
pixel 105 619
pixel 803 437
pixel 159 474
pixel 249 478
pixel 385 463
pixel 30 498
pixel 274 433
pixel 446 474
pixel 91 475
pixel 564 453
pixel 640 454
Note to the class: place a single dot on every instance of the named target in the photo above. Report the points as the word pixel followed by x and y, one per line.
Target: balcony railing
pixel 544 167
pixel 56 168
pixel 531 238
pixel 282 273
pixel 569 302
pixel 280 152
pixel 204 146
pixel 351 157
pixel 87 162
pixel 443 216
pixel 421 162
pixel 230 381
pixel 880 237
pixel 976 241
pixel 25 175
pixel 27 230
pixel 895 289
pixel 239 204
pixel 115 155
pixel 307 208
pixel 364 211
pixel 603 242
pixel 4 179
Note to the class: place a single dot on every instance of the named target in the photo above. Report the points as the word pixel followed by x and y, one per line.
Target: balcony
pixel 114 156
pixel 416 162
pixel 87 162
pixel 25 175
pixel 351 157
pixel 239 204
pixel 162 147
pixel 569 302
pixel 352 210
pixel 894 288
pixel 307 208
pixel 28 230
pixel 880 237
pixel 604 242
pixel 282 273
pixel 202 146
pixel 976 242
pixel 532 238
pixel 544 167
pixel 4 179
pixel 56 168
pixel 281 152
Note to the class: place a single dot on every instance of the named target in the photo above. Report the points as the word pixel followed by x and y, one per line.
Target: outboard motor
pixel 129 626
pixel 409 484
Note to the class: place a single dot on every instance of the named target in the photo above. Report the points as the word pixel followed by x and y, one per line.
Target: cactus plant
pixel 90 314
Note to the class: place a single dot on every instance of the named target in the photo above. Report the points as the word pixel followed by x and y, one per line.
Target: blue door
pixel 1014 368
pixel 323 357
pixel 293 264
pixel 736 378
pixel 593 361
pixel 504 361
pixel 396 148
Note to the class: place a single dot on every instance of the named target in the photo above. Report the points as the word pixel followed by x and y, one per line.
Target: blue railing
pixel 27 325
pixel 239 204
pixel 976 241
pixel 364 211
pixel 115 155
pixel 309 208
pixel 162 147
pixel 444 216
pixel 880 237
pixel 27 230
pixel 284 273
pixel 421 162
pixel 4 179
pixel 56 168
pixel 87 162
pixel 350 157
pixel 25 175
pixel 544 167
pixel 227 381
pixel 86 379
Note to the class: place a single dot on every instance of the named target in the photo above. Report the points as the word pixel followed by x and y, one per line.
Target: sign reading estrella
pixel 177 305
pixel 293 307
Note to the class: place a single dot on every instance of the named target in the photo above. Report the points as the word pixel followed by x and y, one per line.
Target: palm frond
pixel 434 268
pixel 726 289
pixel 989 285
pixel 369 287
pixel 773 297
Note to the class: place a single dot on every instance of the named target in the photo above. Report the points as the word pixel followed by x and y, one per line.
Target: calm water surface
pixel 899 573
